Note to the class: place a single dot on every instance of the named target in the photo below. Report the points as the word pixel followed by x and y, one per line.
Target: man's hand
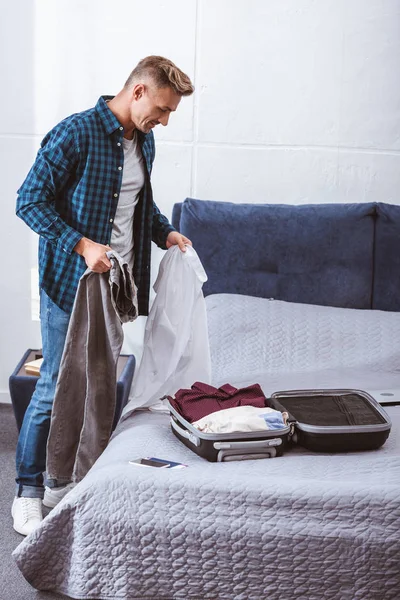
pixel 177 238
pixel 94 255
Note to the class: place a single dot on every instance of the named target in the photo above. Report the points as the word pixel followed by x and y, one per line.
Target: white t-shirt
pixel 132 183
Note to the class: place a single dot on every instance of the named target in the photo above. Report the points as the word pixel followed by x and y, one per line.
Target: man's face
pixel 151 106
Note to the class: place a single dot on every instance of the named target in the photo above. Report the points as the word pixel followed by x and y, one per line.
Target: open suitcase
pixel 320 420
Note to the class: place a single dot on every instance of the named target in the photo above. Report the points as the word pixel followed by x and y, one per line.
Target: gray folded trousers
pixel 85 397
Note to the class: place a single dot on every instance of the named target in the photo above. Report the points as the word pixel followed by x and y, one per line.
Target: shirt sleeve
pixel 55 161
pixel 161 228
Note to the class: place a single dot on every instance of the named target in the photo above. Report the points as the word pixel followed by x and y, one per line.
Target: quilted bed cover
pixel 309 526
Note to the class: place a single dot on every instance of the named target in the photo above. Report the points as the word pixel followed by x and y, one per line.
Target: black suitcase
pixel 320 420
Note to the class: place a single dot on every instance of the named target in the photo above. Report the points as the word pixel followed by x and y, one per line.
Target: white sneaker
pixel 27 514
pixel 52 496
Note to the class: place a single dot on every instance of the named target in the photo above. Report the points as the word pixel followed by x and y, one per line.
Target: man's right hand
pixel 94 255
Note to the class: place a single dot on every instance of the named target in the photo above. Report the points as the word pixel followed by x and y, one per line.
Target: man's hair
pixel 163 73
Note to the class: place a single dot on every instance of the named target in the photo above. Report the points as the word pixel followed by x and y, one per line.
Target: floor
pixel 12 583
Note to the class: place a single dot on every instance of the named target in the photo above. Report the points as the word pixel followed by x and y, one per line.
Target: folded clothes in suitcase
pixel 320 420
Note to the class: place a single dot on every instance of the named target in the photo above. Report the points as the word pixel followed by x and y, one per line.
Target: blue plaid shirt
pixel 72 192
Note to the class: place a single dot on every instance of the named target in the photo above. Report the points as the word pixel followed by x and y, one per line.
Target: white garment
pixel 239 418
pixel 132 182
pixel 176 348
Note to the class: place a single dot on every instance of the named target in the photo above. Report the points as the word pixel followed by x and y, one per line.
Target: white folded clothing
pixel 239 418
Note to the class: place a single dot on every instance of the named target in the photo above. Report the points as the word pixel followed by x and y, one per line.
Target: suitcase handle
pixel 229 456
pixel 224 457
pixel 251 445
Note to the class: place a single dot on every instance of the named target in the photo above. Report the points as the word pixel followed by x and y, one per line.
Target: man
pixel 89 191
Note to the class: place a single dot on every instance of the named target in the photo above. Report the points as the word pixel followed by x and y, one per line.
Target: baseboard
pixel 5 397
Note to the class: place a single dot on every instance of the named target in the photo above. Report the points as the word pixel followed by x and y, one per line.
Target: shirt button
pixel 119 168
pixel 118 143
pixel 115 195
pixel 121 128
pixel 111 220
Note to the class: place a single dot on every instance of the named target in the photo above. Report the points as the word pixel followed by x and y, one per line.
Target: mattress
pixel 311 526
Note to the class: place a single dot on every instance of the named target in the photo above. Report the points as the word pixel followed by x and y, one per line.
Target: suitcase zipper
pixel 345 410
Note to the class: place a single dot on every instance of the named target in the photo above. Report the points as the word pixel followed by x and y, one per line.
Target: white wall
pixel 296 101
pixel 17 148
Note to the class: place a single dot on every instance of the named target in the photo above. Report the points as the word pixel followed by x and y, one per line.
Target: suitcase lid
pixel 332 411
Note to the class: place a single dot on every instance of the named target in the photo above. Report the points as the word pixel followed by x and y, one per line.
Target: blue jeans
pixel 32 441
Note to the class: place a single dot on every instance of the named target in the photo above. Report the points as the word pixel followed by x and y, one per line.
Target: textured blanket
pixel 310 526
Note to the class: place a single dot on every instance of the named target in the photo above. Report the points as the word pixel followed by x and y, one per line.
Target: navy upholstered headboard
pixel 345 255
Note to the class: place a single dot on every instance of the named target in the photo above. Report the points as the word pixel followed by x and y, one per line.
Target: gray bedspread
pixel 306 526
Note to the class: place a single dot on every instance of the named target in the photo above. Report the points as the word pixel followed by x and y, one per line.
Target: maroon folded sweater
pixel 203 399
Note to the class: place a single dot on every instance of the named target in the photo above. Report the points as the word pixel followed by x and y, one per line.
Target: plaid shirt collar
pixel 107 117
pixel 109 121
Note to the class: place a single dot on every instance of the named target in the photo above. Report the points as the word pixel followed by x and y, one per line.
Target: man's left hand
pixel 177 238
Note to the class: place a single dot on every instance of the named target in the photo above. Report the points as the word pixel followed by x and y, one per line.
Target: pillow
pixel 253 340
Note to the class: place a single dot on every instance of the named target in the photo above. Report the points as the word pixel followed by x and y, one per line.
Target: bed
pixel 297 297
